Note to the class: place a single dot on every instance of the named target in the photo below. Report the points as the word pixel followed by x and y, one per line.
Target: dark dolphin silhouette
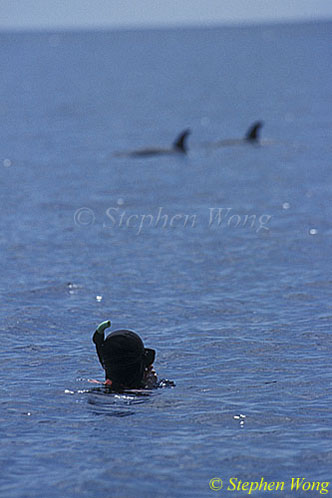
pixel 251 136
pixel 179 146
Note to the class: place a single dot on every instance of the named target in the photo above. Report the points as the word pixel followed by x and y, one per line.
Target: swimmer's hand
pixel 102 326
pixel 150 377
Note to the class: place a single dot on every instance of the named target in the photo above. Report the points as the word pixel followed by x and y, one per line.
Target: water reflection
pixel 104 401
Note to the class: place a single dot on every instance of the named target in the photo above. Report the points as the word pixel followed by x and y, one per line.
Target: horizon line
pixel 162 26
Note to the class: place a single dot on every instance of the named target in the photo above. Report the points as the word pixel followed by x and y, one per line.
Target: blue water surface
pixel 238 306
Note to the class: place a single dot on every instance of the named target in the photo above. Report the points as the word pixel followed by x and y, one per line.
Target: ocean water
pixel 220 259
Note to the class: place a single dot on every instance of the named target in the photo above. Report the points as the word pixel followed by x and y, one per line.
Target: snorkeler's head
pixel 123 356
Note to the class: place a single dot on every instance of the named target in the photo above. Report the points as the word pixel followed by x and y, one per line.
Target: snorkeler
pixel 127 363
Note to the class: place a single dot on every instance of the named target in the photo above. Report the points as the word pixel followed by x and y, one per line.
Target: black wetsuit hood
pixel 124 358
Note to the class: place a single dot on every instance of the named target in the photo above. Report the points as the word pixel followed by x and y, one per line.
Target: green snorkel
pixel 99 337
pixel 103 326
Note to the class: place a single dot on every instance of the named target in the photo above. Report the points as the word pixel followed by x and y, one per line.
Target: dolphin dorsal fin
pixel 253 131
pixel 180 141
